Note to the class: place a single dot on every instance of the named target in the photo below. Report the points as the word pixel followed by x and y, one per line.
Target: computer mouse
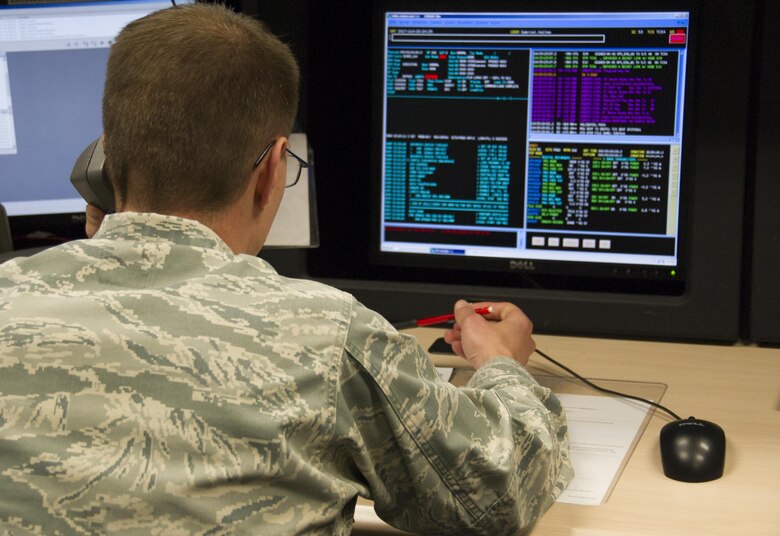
pixel 693 450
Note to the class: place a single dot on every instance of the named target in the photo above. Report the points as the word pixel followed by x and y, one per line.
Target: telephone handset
pixel 90 179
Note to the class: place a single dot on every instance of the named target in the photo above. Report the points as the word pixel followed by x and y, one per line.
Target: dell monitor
pixel 583 159
pixel 544 147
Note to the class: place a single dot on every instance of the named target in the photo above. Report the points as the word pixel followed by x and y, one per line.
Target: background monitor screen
pixel 52 69
pixel 548 144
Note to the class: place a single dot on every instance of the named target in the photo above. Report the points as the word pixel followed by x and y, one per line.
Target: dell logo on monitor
pixel 522 265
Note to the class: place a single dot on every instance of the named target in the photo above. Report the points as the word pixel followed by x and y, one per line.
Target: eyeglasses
pixel 292 179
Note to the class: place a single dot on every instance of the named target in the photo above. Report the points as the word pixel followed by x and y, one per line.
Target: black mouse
pixel 693 450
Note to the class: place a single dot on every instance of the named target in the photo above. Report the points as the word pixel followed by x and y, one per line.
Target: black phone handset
pixel 90 179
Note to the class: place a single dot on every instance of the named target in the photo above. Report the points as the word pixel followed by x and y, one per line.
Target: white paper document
pixel 602 432
pixel 292 225
pixel 445 373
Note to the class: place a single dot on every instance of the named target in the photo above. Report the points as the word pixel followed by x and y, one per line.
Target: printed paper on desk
pixel 445 373
pixel 602 433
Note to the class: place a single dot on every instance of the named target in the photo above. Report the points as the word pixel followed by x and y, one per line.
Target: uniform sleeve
pixel 489 458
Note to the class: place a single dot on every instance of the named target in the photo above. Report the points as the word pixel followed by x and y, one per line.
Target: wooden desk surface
pixel 737 387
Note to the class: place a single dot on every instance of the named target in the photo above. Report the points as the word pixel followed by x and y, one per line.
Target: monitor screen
pixel 52 68
pixel 546 147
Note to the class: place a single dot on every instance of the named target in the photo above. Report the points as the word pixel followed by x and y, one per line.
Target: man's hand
pixel 506 331
pixel 94 219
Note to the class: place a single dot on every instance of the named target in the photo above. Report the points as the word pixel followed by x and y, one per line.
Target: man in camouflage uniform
pixel 160 378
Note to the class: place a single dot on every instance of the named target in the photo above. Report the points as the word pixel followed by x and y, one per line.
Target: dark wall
pixel 340 129
pixel 762 244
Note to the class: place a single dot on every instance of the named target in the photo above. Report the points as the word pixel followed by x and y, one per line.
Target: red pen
pixel 434 320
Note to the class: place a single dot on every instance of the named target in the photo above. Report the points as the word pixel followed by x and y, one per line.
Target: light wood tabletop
pixel 735 386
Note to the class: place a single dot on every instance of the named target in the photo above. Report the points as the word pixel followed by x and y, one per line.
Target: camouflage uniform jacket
pixel 152 382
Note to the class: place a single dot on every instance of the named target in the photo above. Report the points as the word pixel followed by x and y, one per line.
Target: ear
pixel 270 174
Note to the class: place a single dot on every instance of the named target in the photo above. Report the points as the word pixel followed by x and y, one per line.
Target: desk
pixel 737 387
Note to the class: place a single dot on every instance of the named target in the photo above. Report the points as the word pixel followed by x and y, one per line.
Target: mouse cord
pixel 604 389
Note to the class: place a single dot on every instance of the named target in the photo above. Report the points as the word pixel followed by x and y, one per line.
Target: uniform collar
pixel 159 227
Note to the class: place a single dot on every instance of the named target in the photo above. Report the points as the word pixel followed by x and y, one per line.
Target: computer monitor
pixel 547 147
pixel 52 67
pixel 583 159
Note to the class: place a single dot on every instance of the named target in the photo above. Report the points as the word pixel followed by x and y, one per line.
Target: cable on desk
pixel 604 389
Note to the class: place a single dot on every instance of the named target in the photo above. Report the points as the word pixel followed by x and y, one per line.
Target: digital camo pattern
pixel 151 382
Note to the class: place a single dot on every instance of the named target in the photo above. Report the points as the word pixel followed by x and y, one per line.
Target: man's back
pixel 158 384
pixel 152 381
